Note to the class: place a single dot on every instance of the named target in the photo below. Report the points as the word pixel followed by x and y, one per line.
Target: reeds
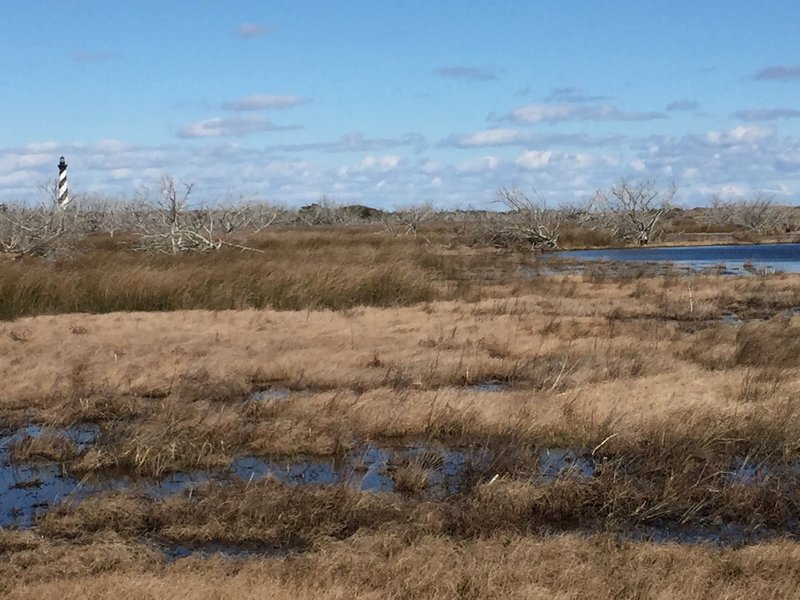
pixel 294 272
pixel 48 446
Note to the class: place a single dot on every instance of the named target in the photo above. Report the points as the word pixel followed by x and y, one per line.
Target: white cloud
pixel 638 165
pixel 16 162
pixel 491 137
pixel 371 164
pixel 517 137
pixel 478 165
pixel 41 147
pixel 265 101
pixel 536 113
pixel 554 113
pixel 691 172
pixel 18 178
pixel 584 160
pixel 380 163
pixel 740 133
pixel 749 157
pixel 228 127
pixel 121 173
pixel 534 159
pixel 729 191
pixel 356 141
pixel 431 167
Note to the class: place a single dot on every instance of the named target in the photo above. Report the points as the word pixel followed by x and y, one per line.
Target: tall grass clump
pixel 774 344
pixel 292 271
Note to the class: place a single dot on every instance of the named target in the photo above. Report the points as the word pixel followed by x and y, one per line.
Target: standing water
pixel 732 259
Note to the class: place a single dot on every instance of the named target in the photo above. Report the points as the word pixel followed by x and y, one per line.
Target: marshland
pixel 338 401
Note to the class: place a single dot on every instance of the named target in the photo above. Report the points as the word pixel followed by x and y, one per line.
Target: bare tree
pixel 263 215
pixel 234 217
pixel 528 221
pixel 408 220
pixel 786 220
pixel 758 214
pixel 169 224
pixel 98 214
pixel 719 212
pixel 578 213
pixel 324 212
pixel 42 230
pixel 248 216
pixel 165 224
pixel 587 215
pixel 634 209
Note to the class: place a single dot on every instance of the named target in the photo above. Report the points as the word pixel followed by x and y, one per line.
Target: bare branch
pixel 634 209
pixel 528 221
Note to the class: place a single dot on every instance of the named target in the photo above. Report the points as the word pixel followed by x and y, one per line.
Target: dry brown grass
pixel 663 396
pixel 289 270
pixel 655 473
pixel 775 344
pixel 170 389
pixel 296 270
pixel 47 446
pixel 390 564
pixel 152 354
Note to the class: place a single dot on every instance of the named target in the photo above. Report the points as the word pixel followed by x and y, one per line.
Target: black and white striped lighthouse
pixel 63 190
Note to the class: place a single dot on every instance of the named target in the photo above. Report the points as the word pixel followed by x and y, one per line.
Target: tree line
pixel 167 220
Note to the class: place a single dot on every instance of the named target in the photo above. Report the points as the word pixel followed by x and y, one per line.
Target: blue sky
pixel 398 103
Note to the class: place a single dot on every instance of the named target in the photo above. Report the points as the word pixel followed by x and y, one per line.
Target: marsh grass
pixel 762 385
pixel 774 344
pixel 297 271
pixel 674 484
pixel 28 558
pixel 266 511
pixel 412 474
pixel 684 419
pixel 48 446
pixel 396 563
pixel 167 438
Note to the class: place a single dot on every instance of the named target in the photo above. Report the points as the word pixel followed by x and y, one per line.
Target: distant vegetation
pixel 626 213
